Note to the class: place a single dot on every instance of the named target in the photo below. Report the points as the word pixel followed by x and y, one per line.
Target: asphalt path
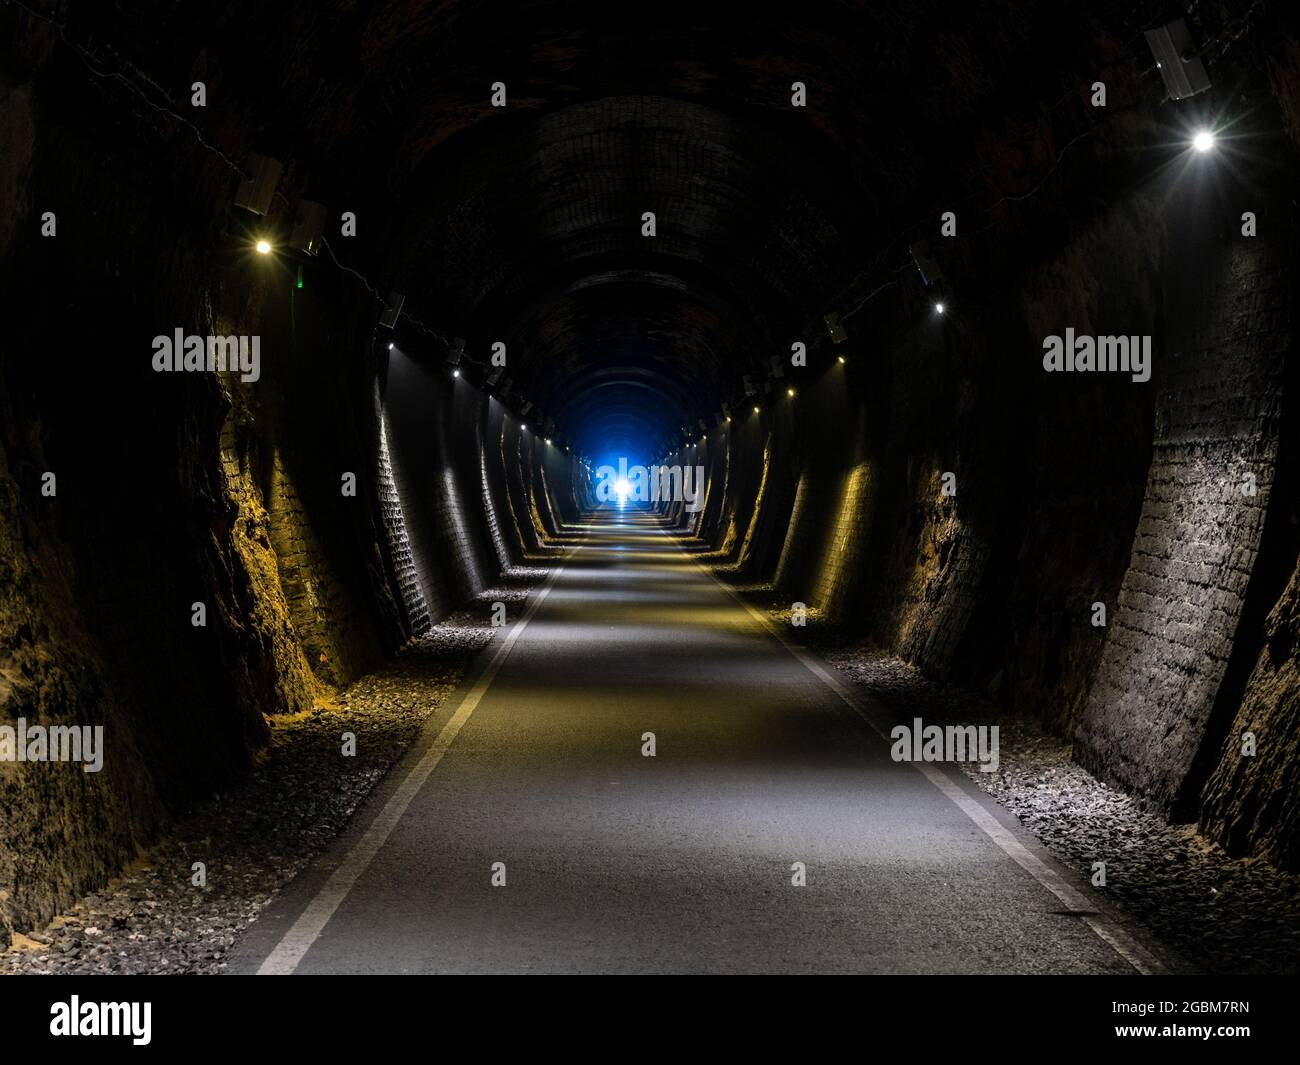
pixel 528 829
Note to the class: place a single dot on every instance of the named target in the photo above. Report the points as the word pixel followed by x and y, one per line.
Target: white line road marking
pixel 295 943
pixel 1116 938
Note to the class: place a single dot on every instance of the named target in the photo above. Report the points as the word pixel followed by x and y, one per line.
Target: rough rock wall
pixel 1251 802
pixel 930 550
pixel 162 497
pixel 61 830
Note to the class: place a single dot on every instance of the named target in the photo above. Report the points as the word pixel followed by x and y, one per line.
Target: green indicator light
pixel 300 277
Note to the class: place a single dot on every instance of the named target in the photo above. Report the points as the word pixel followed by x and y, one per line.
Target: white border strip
pixel 1116 938
pixel 295 943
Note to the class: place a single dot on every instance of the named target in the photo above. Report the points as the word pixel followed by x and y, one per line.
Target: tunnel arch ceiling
pixel 497 219
pixel 530 232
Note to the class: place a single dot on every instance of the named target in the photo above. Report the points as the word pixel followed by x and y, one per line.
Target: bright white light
pixel 622 489
pixel 263 247
pixel 939 308
pixel 1203 141
pixel 390 345
pixel 455 373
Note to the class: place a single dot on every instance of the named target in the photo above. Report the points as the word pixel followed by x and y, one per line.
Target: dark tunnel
pixel 563 446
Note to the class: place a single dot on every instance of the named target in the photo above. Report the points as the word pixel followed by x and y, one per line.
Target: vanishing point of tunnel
pixel 590 488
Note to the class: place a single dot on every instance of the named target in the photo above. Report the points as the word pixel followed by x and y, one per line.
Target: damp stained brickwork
pixel 1218 421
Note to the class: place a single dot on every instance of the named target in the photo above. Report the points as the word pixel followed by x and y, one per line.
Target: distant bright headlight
pixel 263 247
pixel 1203 141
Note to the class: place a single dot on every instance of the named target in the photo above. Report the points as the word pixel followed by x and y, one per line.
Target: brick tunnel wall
pixel 433 424
pixel 1218 421
pixel 1101 490
pixel 164 494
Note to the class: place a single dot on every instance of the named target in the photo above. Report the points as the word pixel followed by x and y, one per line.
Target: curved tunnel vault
pixel 544 233
pixel 821 262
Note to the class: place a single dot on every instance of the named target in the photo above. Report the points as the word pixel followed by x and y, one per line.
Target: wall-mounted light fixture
pixel 308 231
pixel 454 354
pixel 256 190
pixel 926 264
pixel 1176 59
pixel 389 318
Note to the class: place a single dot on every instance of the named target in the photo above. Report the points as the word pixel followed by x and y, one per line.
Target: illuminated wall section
pixel 410 591
pixel 490 486
pixel 841 556
pixel 759 499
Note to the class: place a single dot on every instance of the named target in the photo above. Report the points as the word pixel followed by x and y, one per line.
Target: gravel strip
pixel 255 838
pixel 1222 914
